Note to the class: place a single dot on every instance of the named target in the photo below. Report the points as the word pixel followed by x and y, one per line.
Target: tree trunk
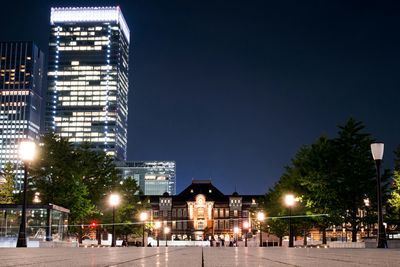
pixel 354 234
pixel 305 238
pixel 280 241
pixel 324 236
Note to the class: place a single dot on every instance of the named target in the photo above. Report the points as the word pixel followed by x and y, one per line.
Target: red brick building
pixel 201 212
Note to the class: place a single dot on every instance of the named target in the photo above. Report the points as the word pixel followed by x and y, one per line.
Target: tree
pixel 397 159
pixel 97 172
pixel 332 176
pixel 56 176
pixel 394 200
pixel 130 207
pixel 355 171
pixel 81 180
pixel 7 185
pixel 314 167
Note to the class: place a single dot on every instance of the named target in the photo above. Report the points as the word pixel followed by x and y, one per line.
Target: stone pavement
pixel 197 256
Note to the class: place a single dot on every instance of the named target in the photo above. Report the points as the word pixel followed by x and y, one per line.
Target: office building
pixel 153 177
pixel 87 98
pixel 21 73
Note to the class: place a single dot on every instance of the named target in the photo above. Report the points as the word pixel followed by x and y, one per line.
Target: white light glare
pixel 114 200
pixel 27 150
pixel 90 14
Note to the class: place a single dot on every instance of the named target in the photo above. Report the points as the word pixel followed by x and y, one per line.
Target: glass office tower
pixel 153 177
pixel 21 73
pixel 87 99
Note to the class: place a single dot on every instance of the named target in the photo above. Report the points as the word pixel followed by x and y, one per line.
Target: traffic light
pixel 93 224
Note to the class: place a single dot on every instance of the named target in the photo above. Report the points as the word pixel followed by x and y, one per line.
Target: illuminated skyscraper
pixel 21 73
pixel 87 98
pixel 153 177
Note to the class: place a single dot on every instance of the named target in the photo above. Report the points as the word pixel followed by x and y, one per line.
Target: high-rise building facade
pixel 21 75
pixel 87 98
pixel 153 177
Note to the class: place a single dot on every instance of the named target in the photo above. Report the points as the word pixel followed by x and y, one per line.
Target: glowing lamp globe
pixel 114 200
pixel 377 150
pixel 27 150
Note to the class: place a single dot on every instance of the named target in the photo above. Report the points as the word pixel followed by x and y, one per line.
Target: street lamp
pixel 157 225
pixel 26 154
pixel 114 201
pixel 236 232
pixel 289 201
pixel 246 230
pixel 366 202
pixel 166 232
pixel 143 218
pixel 260 218
pixel 377 153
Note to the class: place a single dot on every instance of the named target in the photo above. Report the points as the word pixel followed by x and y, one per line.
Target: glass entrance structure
pixel 44 223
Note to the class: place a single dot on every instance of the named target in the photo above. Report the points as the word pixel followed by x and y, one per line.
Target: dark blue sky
pixel 230 90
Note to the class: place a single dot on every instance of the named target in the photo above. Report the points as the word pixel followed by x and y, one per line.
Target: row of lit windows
pixel 13 104
pixel 79 129
pixel 15 82
pixel 87 134
pixel 17 136
pixel 102 67
pixel 75 98
pixel 82 130
pixel 76 29
pixel 93 114
pixel 96 38
pixel 72 119
pixel 86 103
pixel 12 132
pixel 82 134
pixel 74 43
pixel 79 48
pixel 88 78
pixel 82 68
pixel 71 124
pixel 12 70
pixel 221 224
pixel 59 83
pixel 87 90
pixel 75 33
pixel 90 140
pixel 12 126
pixel 10 111
pixel 5 58
pixel 80 72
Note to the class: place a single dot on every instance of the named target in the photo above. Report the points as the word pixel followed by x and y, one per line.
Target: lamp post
pixel 366 202
pixel 143 218
pixel 289 201
pixel 26 153
pixel 157 225
pixel 246 230
pixel 114 201
pixel 377 153
pixel 236 232
pixel 166 232
pixel 260 218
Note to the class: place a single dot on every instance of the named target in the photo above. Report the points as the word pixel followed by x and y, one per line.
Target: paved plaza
pixel 197 256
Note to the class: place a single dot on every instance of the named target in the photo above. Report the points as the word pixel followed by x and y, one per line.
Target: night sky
pixel 230 90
